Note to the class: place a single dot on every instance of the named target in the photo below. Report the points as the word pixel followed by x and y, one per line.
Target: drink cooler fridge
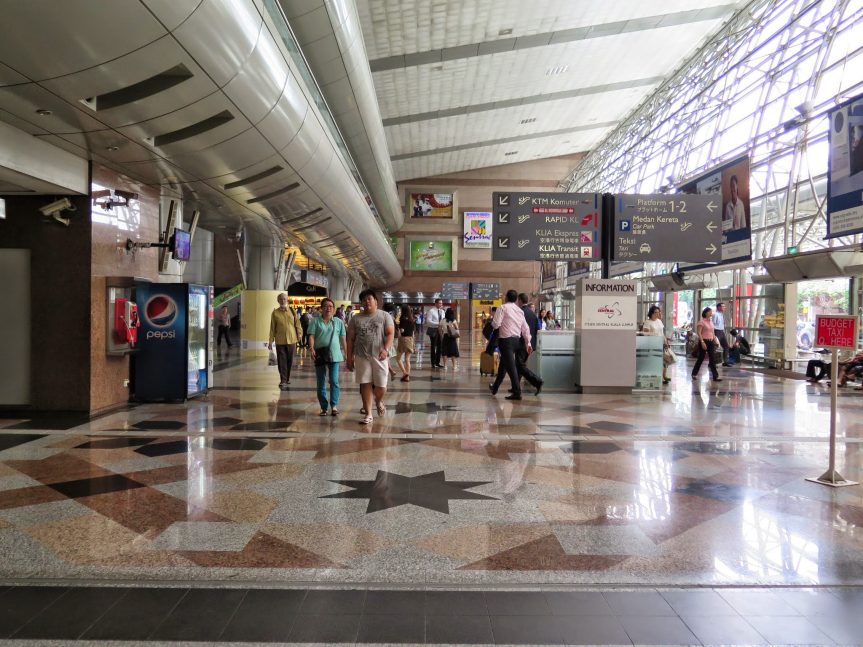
pixel 174 358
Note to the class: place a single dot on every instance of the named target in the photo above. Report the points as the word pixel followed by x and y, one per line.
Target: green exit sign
pixel 792 249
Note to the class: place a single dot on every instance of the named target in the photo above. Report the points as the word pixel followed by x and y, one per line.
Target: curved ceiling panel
pixel 134 68
pixel 232 24
pixel 258 86
pixel 286 118
pixel 330 35
pixel 171 13
pixel 89 32
pixel 256 151
pixel 244 150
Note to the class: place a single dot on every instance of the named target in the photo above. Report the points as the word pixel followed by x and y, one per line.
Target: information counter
pixel 553 359
pixel 648 361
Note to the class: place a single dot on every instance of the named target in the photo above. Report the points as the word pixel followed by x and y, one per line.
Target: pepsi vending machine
pixel 173 360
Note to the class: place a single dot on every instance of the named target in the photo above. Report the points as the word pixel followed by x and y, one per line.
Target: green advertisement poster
pixel 430 255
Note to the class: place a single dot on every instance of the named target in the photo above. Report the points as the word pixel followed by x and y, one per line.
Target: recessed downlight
pixel 505 32
pixel 44 113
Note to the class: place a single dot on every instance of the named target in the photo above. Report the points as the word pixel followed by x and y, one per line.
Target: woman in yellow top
pixel 285 331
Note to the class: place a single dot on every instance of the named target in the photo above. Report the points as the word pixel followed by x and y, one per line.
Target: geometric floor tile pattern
pixel 698 484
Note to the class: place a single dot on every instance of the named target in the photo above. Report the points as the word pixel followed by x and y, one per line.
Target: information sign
pixel 659 227
pixel 546 226
pixel 845 169
pixel 454 291
pixel 485 290
pixel 836 331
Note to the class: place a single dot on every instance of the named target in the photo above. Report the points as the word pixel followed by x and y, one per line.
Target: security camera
pixel 805 108
pixel 56 207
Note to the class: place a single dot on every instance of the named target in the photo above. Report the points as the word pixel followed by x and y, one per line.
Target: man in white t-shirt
pixel 370 337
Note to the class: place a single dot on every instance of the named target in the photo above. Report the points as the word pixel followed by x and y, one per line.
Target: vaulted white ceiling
pixel 464 84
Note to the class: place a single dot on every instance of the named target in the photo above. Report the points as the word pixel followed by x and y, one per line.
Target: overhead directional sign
pixel 454 291
pixel 546 226
pixel 485 291
pixel 660 227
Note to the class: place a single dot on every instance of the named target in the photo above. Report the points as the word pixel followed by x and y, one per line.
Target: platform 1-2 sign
pixel 546 226
pixel 836 331
pixel 660 227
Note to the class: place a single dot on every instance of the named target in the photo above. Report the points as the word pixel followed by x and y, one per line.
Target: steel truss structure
pixel 763 86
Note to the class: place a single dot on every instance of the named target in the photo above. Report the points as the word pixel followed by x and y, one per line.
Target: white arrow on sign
pixel 710 226
pixel 711 249
pixel 711 206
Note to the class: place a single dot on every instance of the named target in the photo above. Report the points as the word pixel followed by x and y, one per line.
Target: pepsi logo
pixel 160 311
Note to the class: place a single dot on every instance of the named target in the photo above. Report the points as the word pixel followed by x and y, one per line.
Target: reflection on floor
pixel 698 484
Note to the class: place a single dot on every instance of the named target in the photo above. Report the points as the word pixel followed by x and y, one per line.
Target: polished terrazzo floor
pixel 699 484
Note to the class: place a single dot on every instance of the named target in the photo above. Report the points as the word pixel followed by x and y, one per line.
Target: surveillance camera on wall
pixel 56 207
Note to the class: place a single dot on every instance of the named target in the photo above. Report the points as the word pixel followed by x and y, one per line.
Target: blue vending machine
pixel 172 362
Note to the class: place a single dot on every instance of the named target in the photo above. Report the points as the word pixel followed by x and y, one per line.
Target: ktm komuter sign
pixel 546 226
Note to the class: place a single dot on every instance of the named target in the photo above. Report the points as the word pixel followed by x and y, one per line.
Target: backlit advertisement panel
pixel 730 183
pixel 845 170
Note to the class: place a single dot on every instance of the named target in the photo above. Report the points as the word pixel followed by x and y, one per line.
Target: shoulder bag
pixel 324 354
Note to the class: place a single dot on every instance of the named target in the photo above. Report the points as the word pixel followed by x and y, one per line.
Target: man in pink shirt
pixel 510 323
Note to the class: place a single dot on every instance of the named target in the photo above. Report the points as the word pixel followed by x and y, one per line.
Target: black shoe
pixel 726 364
pixel 514 396
pixel 666 381
pixel 492 388
pixel 717 379
pixel 539 387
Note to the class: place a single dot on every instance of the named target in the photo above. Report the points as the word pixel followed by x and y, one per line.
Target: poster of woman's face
pixel 431 205
pixel 735 196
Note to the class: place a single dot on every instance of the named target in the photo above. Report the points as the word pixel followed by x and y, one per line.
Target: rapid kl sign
pixel 836 331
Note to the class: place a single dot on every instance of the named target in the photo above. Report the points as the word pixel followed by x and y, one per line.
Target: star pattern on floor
pixel 422 407
pixel 389 490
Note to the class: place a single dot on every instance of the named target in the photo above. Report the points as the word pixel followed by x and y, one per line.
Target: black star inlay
pixel 389 490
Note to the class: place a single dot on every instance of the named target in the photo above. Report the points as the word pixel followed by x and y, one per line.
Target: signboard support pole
pixel 607 233
pixel 831 477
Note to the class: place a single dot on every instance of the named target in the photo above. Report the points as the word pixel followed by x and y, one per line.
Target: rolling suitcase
pixel 488 363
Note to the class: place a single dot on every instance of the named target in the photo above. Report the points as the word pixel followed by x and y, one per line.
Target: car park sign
pixel 660 227
pixel 836 331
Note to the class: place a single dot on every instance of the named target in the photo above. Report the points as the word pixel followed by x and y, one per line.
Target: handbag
pixel 453 330
pixel 324 354
pixel 668 357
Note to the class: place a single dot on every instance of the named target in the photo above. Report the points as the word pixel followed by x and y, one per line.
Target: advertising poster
pixel 548 270
pixel 430 256
pixel 477 230
pixel 430 205
pixel 730 182
pixel 845 170
pixel 162 360
pixel 577 268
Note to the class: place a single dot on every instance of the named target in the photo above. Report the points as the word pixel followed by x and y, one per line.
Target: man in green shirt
pixel 285 331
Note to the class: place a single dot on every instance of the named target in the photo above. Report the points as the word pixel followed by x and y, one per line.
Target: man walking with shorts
pixel 370 337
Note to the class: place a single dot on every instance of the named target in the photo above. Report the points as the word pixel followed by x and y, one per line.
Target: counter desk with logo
pixel 604 342
pixel 604 354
